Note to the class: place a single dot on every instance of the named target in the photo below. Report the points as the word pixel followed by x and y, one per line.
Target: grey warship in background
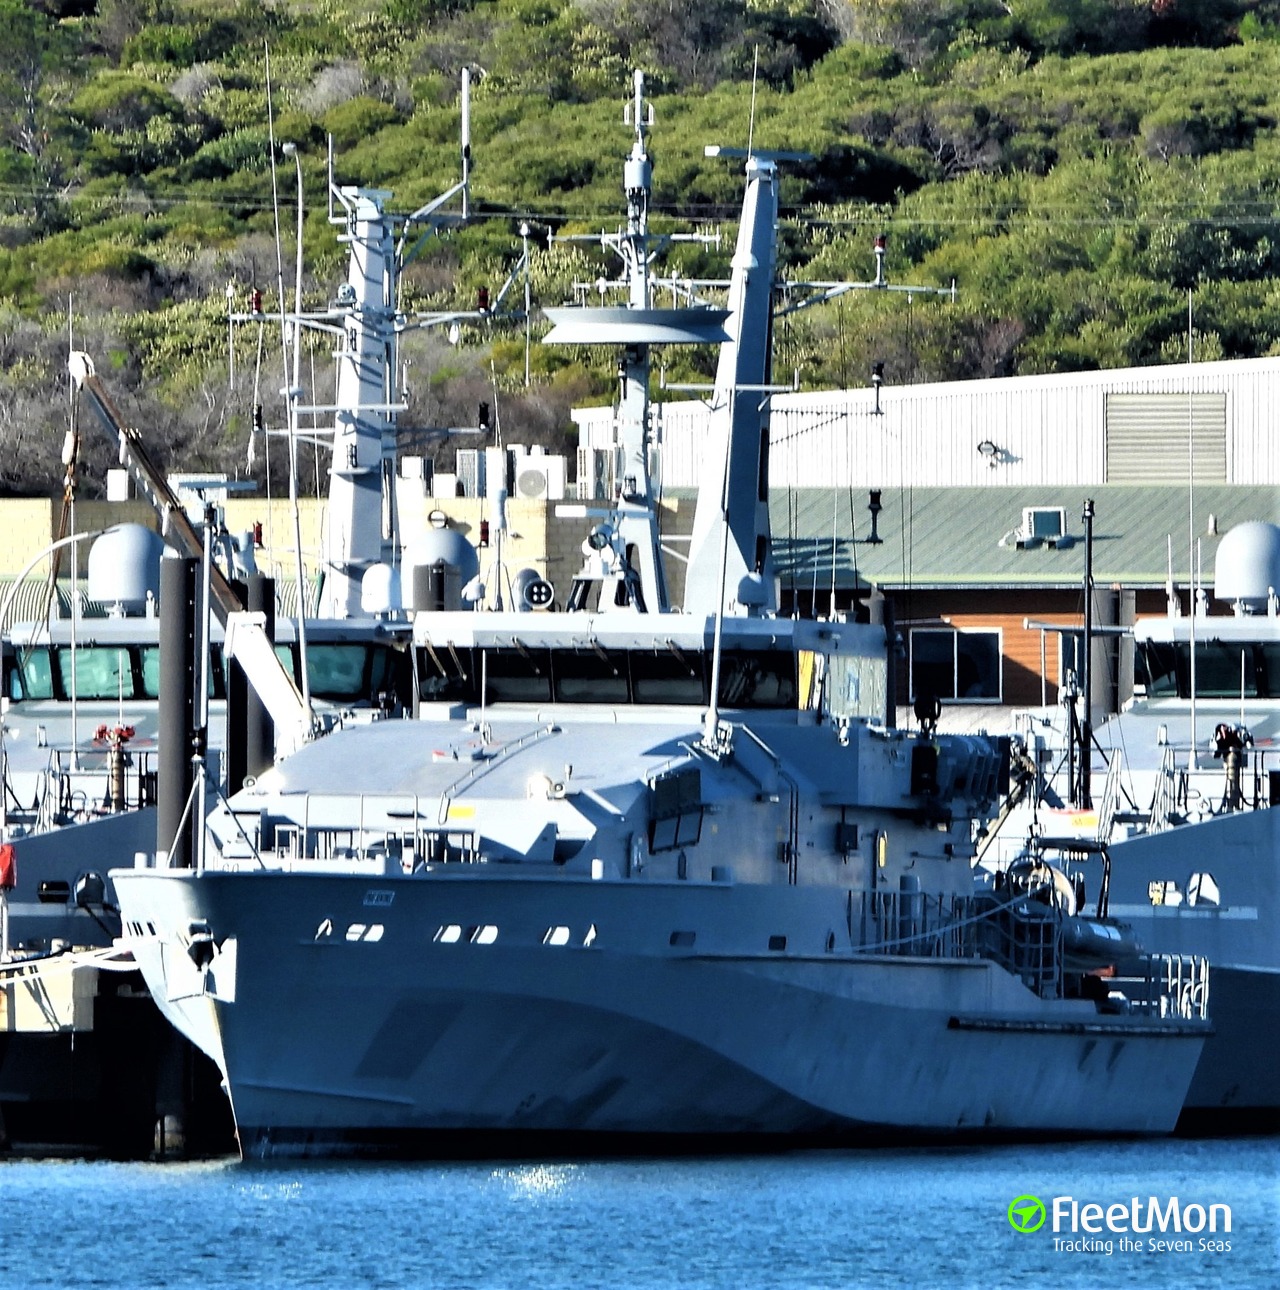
pixel 638 873
pixel 1182 828
pixel 87 1064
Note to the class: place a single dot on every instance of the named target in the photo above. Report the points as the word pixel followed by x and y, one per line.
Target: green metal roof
pixel 951 537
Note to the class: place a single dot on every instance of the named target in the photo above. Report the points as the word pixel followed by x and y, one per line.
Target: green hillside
pixel 1081 169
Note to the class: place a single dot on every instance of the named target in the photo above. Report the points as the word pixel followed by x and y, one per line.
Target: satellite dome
pixel 437 551
pixel 124 568
pixel 380 590
pixel 1246 570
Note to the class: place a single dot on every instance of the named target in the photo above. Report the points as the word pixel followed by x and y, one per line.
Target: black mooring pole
pixel 260 745
pixel 177 709
pixel 1086 668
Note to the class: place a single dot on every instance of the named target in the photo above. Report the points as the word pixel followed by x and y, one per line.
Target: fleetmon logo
pixel 1026 1214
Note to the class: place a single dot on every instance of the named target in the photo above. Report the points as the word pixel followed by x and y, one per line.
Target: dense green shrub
pixel 123 101
pixel 238 152
pixel 358 119
pixel 163 43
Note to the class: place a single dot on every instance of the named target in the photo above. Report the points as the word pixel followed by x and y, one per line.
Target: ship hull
pixel 649 1020
pixel 1237 1082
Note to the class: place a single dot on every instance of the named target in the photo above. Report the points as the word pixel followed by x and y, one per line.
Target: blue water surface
pixel 874 1218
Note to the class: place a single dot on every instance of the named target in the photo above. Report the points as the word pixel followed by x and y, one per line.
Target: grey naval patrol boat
pixel 1183 827
pixel 640 874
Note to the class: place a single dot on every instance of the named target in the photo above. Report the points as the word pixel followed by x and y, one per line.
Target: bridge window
pixel 337 671
pixel 101 672
pixel 344 672
pixel 763 678
pixel 588 676
pixel 516 676
pixel 749 678
pixel 32 678
pixel 442 675
pixel 1224 669
pixel 667 677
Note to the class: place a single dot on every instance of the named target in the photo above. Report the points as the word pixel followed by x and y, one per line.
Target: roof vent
pixel 1043 524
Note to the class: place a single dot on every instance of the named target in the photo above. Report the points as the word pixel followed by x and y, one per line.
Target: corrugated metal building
pixel 1134 425
pixel 965 574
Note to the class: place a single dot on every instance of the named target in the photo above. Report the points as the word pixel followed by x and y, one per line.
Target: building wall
pixel 1004 612
pixel 1041 429
pixel 1030 674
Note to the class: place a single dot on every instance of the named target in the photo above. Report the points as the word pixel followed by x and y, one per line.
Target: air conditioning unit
pixel 470 471
pixel 540 478
pixel 595 474
pixel 1042 524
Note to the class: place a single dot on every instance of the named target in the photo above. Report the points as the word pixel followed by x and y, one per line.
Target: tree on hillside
pixel 33 51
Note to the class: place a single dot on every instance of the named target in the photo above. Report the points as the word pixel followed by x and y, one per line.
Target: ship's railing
pixel 1112 794
pixel 348 830
pixel 912 923
pixel 1167 792
pixel 1189 789
pixel 1022 935
pixel 483 765
pixel 75 787
pixel 1172 986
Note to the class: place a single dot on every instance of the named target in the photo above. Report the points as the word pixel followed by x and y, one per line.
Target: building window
pixel 956 666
